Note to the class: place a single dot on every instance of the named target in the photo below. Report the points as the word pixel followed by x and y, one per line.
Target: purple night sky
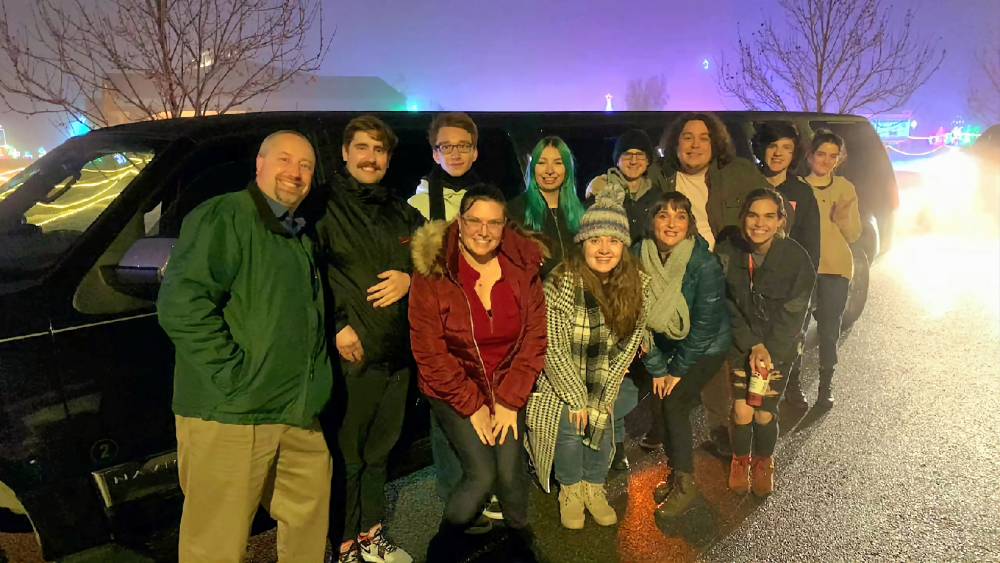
pixel 566 55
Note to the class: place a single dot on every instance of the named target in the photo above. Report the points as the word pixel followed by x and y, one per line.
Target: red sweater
pixel 496 330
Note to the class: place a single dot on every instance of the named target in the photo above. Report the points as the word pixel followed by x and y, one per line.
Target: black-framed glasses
pixel 445 148
pixel 634 156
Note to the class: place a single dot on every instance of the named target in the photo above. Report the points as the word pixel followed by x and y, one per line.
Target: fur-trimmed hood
pixel 435 248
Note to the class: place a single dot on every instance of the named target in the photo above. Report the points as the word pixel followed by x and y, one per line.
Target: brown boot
pixel 739 474
pixel 762 476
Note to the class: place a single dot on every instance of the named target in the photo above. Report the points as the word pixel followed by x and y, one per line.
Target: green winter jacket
pixel 704 290
pixel 242 301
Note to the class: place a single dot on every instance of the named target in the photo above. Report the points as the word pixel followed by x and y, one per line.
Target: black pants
pixel 367 421
pixel 499 468
pixel 831 298
pixel 675 410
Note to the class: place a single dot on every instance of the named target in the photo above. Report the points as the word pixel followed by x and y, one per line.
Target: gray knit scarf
pixel 668 311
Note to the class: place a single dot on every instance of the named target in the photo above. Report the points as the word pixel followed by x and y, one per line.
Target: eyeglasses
pixel 463 148
pixel 634 156
pixel 475 224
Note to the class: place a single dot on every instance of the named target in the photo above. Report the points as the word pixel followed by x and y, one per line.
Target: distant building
pixel 305 92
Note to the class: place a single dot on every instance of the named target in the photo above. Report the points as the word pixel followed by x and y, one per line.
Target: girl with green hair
pixel 549 203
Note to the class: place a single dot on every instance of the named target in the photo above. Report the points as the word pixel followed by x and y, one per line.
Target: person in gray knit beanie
pixel 596 315
pixel 606 217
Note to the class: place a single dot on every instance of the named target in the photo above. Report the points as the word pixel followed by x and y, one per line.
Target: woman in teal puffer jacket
pixel 690 334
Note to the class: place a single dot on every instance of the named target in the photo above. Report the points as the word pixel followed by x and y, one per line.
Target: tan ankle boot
pixel 762 476
pixel 571 506
pixel 596 501
pixel 739 474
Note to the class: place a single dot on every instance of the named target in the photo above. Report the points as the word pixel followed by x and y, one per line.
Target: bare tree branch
pixel 117 60
pixel 647 95
pixel 984 96
pixel 837 56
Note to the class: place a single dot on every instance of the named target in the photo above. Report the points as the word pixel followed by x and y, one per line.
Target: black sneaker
pixel 481 525
pixel 795 398
pixel 648 442
pixel 619 462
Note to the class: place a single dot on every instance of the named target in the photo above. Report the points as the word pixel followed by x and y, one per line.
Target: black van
pixel 86 430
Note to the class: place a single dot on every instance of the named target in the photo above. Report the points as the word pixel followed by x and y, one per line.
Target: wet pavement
pixel 904 466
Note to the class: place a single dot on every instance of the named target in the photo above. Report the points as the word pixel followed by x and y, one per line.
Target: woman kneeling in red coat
pixel 477 328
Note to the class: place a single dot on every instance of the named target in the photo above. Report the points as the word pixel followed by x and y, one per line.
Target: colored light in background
pixel 78 126
pixel 705 64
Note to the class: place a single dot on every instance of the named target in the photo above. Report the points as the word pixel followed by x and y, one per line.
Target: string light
pixel 904 153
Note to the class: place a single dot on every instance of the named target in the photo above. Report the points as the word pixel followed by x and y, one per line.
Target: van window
pixel 49 205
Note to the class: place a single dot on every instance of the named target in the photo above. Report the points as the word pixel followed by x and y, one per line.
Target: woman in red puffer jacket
pixel 478 334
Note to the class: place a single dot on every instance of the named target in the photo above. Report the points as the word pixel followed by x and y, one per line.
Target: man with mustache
pixel 242 303
pixel 453 137
pixel 365 241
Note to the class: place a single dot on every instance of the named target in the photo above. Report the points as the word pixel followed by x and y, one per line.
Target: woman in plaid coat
pixel 596 320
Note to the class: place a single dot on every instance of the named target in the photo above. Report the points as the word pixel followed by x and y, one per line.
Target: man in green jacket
pixel 243 304
pixel 365 244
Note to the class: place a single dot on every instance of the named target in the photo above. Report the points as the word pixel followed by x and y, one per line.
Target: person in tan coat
pixel 840 226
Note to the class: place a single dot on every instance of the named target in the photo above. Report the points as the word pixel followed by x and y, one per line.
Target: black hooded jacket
pixel 364 231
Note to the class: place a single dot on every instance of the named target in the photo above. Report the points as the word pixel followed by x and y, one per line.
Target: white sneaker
pixel 378 548
pixel 493 510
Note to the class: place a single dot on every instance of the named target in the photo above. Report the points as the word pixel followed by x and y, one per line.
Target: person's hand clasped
pixel 349 345
pixel 504 422
pixel 664 385
pixel 393 287
pixel 482 423
pixel 579 419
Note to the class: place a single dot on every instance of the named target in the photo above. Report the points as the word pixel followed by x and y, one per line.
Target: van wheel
pixel 857 293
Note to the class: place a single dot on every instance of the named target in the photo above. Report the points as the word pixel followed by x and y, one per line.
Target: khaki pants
pixel 227 470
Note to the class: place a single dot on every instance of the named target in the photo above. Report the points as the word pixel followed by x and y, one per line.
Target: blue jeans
pixel 575 462
pixel 628 398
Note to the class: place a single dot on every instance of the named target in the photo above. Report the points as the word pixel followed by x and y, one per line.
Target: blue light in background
pixel 78 126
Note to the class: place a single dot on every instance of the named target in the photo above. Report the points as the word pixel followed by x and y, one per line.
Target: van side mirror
pixel 141 269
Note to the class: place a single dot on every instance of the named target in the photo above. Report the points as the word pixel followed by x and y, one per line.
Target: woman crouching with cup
pixel 769 279
pixel 691 335
pixel 596 321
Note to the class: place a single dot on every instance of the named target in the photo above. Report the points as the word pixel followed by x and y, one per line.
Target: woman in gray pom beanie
pixel 596 319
